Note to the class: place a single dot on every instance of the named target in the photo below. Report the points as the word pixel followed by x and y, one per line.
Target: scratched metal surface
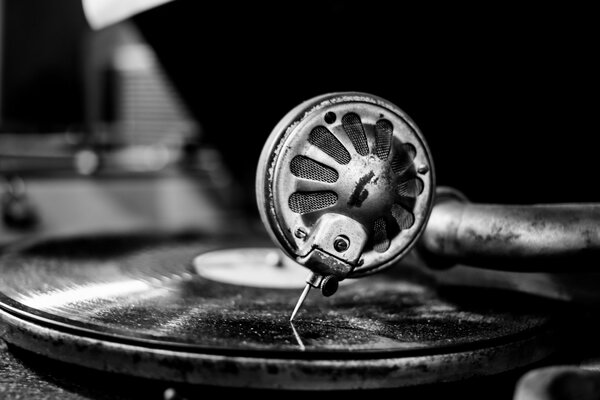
pixel 143 288
pixel 24 375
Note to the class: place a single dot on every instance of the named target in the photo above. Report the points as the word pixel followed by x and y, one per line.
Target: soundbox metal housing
pixel 355 156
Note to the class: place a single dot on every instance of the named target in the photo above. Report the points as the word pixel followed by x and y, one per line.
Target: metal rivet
pixel 341 244
pixel 300 233
pixel 423 169
pixel 330 117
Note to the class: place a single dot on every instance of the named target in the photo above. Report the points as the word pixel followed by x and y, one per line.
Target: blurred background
pixel 156 121
pixel 153 120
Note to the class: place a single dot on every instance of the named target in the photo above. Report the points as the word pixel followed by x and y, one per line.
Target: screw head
pixel 341 244
pixel 330 117
pixel 329 285
pixel 300 233
pixel 423 169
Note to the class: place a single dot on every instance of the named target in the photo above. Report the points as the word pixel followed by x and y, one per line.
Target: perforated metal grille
pixel 404 218
pixel 355 131
pixel 403 159
pixel 410 188
pixel 305 202
pixel 322 138
pixel 307 168
pixel 380 240
pixel 383 138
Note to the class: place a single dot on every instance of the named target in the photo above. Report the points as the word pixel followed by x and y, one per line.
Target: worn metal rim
pixel 274 373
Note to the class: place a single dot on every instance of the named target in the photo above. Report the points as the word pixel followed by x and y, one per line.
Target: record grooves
pixel 135 304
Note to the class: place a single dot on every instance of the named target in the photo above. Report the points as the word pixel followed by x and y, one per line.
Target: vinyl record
pixel 186 308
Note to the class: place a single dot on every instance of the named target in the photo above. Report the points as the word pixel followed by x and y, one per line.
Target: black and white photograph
pixel 312 198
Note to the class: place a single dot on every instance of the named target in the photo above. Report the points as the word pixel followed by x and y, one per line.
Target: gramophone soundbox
pixel 191 309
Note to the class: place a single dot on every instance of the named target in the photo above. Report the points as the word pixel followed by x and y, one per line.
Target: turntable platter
pixel 141 305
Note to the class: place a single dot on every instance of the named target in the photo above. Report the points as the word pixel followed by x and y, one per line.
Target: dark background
pixel 42 65
pixel 506 97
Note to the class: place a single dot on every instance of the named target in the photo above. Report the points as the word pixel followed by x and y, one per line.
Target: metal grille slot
pixel 410 188
pixel 322 138
pixel 408 203
pixel 404 218
pixel 403 159
pixel 383 138
pixel 355 131
pixel 305 202
pixel 307 168
pixel 380 240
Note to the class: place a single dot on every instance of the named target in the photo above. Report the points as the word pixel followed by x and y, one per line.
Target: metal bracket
pixel 335 246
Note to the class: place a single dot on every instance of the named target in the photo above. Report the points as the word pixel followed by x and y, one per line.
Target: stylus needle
pixel 300 301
